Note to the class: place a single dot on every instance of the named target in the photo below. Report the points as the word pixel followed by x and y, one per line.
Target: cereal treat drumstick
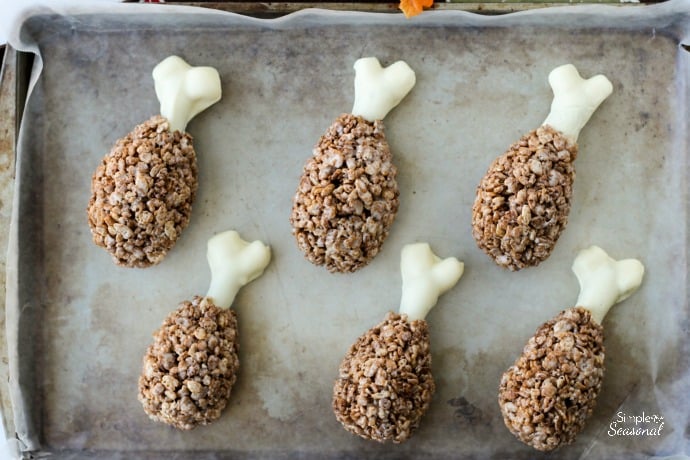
pixel 522 203
pixel 347 196
pixel 142 192
pixel 189 370
pixel 385 383
pixel 551 390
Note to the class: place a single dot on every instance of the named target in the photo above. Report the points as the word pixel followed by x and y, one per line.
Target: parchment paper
pixel 78 325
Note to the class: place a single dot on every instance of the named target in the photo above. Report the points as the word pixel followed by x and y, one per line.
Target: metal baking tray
pixel 77 325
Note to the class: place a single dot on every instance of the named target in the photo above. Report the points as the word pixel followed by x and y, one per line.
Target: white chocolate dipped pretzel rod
pixel 574 99
pixel 184 91
pixel 425 276
pixel 234 263
pixel 379 90
pixel 604 281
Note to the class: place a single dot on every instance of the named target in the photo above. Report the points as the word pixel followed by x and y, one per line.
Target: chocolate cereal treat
pixel 549 393
pixel 398 383
pixel 384 384
pixel 142 191
pixel 523 201
pixel 347 197
pixel 189 369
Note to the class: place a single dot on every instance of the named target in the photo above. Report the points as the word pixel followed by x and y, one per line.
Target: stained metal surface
pixel 83 324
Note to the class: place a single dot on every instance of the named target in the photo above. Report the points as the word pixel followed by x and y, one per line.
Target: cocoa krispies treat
pixel 347 197
pixel 551 390
pixel 523 201
pixel 142 194
pixel 191 366
pixel 385 383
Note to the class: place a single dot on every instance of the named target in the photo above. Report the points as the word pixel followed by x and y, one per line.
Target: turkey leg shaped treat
pixel 191 366
pixel 142 192
pixel 385 383
pixel 550 391
pixel 347 197
pixel 523 201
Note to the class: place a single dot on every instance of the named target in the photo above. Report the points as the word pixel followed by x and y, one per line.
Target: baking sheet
pixel 78 325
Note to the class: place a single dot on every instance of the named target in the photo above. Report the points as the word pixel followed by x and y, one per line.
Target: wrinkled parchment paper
pixel 77 325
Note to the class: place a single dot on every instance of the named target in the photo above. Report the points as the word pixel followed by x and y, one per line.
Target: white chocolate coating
pixel 604 281
pixel 574 99
pixel 379 90
pixel 184 91
pixel 234 263
pixel 424 278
